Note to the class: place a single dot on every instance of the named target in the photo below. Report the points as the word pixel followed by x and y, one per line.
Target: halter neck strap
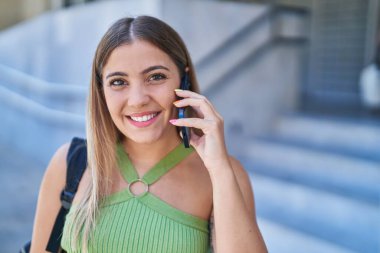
pixel 173 158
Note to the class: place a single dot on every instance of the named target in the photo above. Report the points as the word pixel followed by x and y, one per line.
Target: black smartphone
pixel 185 85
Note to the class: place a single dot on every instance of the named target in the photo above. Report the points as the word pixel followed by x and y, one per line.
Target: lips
pixel 143 119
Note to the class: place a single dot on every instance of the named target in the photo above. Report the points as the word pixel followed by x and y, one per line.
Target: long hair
pixel 102 133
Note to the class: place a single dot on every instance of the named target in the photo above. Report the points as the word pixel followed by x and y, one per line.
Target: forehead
pixel 137 56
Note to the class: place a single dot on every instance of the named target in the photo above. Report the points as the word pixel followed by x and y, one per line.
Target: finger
pixel 199 105
pixel 194 138
pixel 187 93
pixel 197 110
pixel 192 94
pixel 202 124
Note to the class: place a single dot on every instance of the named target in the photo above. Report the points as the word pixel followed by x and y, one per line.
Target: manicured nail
pixel 176 102
pixel 177 90
pixel 173 121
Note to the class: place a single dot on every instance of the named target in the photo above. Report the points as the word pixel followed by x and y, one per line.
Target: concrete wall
pixel 261 90
pixel 14 11
pixel 43 82
pixel 255 72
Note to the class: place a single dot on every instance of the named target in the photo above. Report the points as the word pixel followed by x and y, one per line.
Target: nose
pixel 137 96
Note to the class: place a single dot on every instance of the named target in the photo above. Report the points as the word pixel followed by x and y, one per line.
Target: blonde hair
pixel 102 133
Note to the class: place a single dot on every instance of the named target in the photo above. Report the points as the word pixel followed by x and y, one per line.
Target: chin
pixel 153 135
pixel 144 139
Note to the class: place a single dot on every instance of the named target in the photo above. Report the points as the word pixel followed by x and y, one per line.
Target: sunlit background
pixel 290 78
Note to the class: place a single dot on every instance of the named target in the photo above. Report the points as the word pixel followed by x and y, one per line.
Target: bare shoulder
pixel 237 166
pixel 244 181
pixel 48 199
pixel 56 170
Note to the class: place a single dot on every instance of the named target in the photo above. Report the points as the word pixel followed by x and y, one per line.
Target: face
pixel 139 81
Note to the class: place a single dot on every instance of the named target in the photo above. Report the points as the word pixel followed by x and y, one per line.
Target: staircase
pixel 317 184
pixel 316 179
pixel 44 83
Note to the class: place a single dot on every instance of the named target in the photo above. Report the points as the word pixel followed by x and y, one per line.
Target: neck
pixel 146 155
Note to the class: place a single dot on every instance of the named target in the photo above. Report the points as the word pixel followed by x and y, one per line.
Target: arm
pixel 235 228
pixel 212 233
pixel 49 203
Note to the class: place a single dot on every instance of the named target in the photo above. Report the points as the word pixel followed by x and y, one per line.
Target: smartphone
pixel 185 85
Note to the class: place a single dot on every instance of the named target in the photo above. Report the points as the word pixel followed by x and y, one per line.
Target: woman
pixel 143 190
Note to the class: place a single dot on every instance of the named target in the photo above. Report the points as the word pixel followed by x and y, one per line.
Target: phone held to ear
pixel 185 131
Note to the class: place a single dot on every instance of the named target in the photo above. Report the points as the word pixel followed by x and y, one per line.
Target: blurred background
pixel 297 82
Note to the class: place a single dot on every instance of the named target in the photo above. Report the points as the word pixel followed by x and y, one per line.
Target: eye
pixel 117 82
pixel 157 77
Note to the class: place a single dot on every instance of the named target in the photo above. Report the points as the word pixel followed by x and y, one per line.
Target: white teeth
pixel 144 118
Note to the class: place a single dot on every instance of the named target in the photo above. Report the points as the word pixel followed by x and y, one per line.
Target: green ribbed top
pixel 144 223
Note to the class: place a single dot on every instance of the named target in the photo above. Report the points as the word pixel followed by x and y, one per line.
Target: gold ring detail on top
pixel 135 181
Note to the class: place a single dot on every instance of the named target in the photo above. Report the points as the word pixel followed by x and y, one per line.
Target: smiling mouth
pixel 144 118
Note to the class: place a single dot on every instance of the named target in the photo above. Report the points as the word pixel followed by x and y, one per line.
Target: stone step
pixel 282 239
pixel 358 137
pixel 342 221
pixel 344 175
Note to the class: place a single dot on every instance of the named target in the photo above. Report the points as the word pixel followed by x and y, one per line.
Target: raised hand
pixel 211 145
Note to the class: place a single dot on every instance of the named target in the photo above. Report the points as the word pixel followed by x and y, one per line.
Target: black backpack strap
pixel 76 165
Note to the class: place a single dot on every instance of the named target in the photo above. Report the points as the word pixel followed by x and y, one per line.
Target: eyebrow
pixel 147 70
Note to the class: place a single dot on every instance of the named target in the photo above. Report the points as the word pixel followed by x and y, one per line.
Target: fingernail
pixel 176 102
pixel 177 90
pixel 173 121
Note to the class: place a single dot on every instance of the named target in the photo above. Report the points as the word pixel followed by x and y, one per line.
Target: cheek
pixel 169 103
pixel 173 109
pixel 108 100
pixel 165 96
pixel 112 102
